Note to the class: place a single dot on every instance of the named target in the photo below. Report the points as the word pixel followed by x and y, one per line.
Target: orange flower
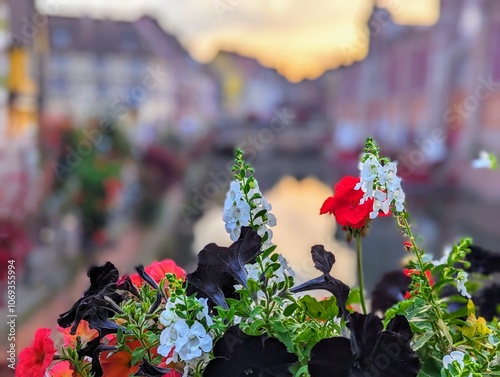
pixel 158 270
pixel 85 333
pixel 62 369
pixel 118 364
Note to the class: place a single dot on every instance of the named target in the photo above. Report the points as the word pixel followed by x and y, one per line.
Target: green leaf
pixel 137 355
pixel 254 327
pixel 290 309
pixel 421 341
pixel 354 297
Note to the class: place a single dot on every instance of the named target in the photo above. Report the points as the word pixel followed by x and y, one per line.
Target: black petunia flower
pixel 98 303
pixel 369 352
pixel 237 354
pixel 483 261
pixel 390 290
pixel 220 268
pixel 324 261
pixel 488 300
pixel 149 370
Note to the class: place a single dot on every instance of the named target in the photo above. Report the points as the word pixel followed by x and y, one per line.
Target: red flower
pixel 411 271
pixel 158 270
pixel 34 360
pixel 62 369
pixel 408 245
pixel 345 204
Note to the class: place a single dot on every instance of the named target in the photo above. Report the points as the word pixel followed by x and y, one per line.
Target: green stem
pixel 360 273
pixel 430 298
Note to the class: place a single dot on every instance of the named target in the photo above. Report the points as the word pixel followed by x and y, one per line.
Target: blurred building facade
pixel 105 67
pixel 425 93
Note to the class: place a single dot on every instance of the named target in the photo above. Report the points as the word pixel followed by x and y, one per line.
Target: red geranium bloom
pixel 345 204
pixel 34 360
pixel 158 270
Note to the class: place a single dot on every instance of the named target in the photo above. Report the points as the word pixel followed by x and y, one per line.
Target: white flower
pixel 237 212
pixel 485 161
pixel 457 356
pixel 167 317
pixel 382 184
pixel 461 279
pixel 170 336
pixel 196 341
pixel 444 258
pixel 203 314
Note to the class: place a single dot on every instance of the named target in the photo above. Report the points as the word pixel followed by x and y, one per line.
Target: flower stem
pixel 441 336
pixel 360 273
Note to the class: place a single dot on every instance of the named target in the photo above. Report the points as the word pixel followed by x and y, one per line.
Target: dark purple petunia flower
pixel 369 352
pixel 488 301
pixel 220 268
pixel 483 261
pixel 98 303
pixel 237 354
pixel 324 261
pixel 390 290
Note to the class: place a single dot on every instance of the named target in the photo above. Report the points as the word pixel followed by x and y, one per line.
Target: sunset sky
pixel 300 39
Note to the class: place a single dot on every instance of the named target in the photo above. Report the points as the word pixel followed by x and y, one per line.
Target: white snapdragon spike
pixel 461 280
pixel 457 356
pixel 237 212
pixel 485 161
pixel 380 183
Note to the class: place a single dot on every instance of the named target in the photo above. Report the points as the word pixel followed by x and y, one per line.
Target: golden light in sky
pixel 300 39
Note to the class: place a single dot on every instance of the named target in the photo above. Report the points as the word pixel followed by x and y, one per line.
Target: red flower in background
pixel 411 271
pixel 158 270
pixel 344 205
pixel 34 360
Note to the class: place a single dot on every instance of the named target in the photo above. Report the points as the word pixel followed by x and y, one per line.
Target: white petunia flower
pixel 485 161
pixel 457 356
pixel 461 280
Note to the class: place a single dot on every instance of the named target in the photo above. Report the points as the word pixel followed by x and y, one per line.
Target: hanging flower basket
pixel 240 313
